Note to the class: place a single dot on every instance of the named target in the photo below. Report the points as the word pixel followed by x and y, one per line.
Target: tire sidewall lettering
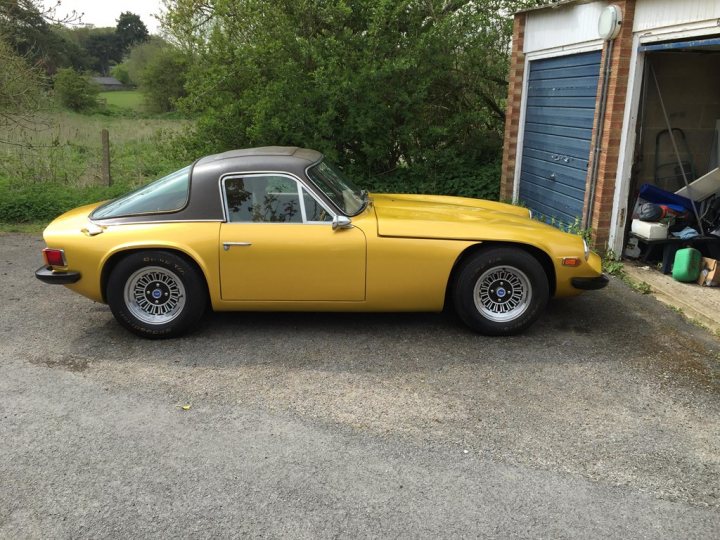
pixel 192 279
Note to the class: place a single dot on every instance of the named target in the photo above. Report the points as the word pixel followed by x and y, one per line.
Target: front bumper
pixel 46 275
pixel 590 283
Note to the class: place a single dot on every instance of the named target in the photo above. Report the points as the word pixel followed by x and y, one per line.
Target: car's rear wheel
pixel 500 291
pixel 156 294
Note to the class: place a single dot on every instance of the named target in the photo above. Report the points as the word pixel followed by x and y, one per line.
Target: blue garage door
pixel 558 127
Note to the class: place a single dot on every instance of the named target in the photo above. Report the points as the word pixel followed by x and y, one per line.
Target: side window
pixel 314 211
pixel 263 199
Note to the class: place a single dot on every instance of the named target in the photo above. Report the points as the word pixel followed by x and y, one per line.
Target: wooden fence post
pixel 107 179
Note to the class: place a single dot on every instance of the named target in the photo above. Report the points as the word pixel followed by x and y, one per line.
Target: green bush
pixel 21 90
pixel 163 80
pixel 460 179
pixel 405 96
pixel 120 72
pixel 75 90
pixel 45 201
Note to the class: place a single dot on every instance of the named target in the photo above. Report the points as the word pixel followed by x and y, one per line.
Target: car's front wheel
pixel 500 291
pixel 156 294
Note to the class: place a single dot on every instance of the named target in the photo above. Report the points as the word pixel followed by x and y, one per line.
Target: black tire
pixel 500 291
pixel 156 294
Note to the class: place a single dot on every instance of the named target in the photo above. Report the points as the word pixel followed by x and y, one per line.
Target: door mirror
pixel 341 222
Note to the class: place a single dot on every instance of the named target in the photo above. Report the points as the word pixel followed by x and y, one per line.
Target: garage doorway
pixel 688 76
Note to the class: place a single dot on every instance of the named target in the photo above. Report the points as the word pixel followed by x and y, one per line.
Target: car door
pixel 278 244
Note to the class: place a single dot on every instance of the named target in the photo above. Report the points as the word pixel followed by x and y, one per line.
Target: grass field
pixel 54 163
pixel 124 99
pixel 66 147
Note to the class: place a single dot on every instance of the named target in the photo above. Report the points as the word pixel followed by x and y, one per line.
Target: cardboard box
pixel 709 273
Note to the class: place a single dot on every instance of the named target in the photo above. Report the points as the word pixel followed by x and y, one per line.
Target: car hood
pixel 443 217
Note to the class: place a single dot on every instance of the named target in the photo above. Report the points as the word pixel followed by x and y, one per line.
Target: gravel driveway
pixel 601 421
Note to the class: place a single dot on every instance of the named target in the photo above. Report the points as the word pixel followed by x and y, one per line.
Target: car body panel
pixel 291 261
pixel 462 219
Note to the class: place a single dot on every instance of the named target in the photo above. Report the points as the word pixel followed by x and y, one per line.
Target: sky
pixel 106 12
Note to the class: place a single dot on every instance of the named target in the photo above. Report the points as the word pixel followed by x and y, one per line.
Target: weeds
pixel 639 286
pixel 573 228
pixel 611 264
pixel 584 232
pixel 26 203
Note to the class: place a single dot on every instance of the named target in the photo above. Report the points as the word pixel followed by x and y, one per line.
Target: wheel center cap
pixel 156 294
pixel 500 292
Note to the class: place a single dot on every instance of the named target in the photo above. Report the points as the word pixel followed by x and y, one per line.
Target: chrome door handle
pixel 228 245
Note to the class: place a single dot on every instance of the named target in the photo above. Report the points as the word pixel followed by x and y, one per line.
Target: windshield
pixel 165 195
pixel 343 193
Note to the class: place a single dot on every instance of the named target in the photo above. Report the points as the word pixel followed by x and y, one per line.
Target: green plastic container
pixel 688 263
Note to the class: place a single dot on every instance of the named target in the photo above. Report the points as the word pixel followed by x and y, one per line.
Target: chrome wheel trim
pixel 502 293
pixel 154 295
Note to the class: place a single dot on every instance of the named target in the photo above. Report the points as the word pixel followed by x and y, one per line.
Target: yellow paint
pixel 292 261
pixel 397 257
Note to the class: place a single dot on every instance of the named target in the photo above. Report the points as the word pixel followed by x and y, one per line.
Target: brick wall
pixel 612 127
pixel 512 111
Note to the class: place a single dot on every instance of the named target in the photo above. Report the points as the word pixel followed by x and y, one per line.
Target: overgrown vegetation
pixel 612 264
pixel 75 90
pixel 57 165
pixel 405 96
pixel 44 201
pixel 163 79
pixel 584 232
pixel 50 157
pixel 20 92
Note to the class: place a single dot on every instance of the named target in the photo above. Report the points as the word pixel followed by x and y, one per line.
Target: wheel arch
pixel 112 261
pixel 541 256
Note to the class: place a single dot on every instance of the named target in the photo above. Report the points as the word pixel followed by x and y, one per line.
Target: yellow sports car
pixel 282 229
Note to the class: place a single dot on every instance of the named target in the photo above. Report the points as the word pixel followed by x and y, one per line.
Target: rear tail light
pixel 54 257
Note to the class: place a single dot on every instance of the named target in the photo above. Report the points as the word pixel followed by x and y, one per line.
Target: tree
pixel 120 72
pixel 20 90
pixel 76 56
pixel 140 56
pixel 74 90
pixel 391 89
pixel 162 82
pixel 131 30
pixel 35 33
pixel 104 46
